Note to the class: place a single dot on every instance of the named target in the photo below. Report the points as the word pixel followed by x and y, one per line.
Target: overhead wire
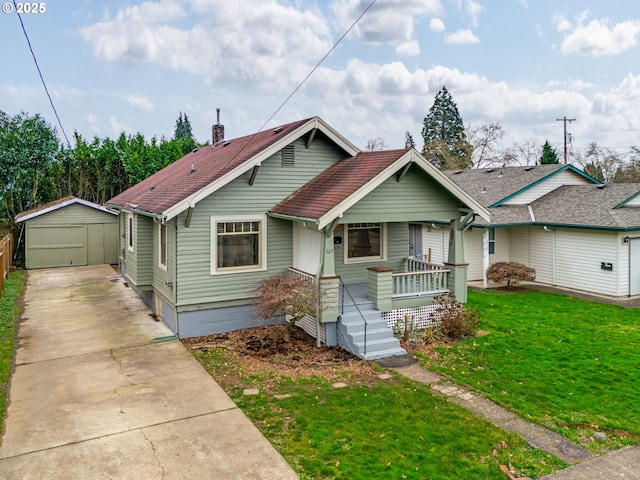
pixel 299 86
pixel 35 60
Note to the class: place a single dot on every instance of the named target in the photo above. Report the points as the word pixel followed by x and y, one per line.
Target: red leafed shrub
pixel 510 272
pixel 286 296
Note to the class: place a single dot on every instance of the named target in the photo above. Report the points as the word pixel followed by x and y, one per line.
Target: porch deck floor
pixel 359 292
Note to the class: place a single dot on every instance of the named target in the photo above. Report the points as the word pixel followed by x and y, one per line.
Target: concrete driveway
pixel 93 397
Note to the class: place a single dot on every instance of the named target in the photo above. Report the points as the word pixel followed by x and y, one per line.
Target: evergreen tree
pixel 549 155
pixel 408 141
pixel 445 141
pixel 183 128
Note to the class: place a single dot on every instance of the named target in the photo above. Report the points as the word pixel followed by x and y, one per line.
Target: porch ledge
pixel 380 269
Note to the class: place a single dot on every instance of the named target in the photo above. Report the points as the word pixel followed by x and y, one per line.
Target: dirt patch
pixel 262 351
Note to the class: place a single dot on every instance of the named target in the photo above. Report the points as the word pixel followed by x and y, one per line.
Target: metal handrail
pixel 344 288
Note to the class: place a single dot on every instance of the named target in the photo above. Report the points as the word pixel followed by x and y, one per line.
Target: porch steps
pixel 380 341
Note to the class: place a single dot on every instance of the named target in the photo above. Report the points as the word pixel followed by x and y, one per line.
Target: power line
pixel 40 73
pixel 295 90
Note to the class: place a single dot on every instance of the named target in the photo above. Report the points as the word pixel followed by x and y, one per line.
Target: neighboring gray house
pixel 575 231
pixel 198 235
pixel 69 232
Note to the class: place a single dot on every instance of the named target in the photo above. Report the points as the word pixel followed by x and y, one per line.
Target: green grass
pixel 373 429
pixel 562 362
pixel 10 310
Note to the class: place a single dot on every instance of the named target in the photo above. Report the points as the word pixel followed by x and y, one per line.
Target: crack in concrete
pixel 155 453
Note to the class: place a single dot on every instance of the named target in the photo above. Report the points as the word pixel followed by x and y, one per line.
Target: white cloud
pixel 473 9
pixel 387 21
pixel 436 25
pixel 12 92
pixel 240 40
pixel 408 49
pixel 572 84
pixel 91 118
pixel 597 37
pixel 462 37
pixel 117 128
pixel 140 102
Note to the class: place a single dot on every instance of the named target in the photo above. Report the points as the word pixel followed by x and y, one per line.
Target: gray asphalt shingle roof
pixel 572 205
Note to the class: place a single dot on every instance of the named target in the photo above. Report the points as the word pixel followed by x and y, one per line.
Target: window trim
pixel 492 241
pixel 383 247
pixel 163 266
pixel 130 230
pixel 262 244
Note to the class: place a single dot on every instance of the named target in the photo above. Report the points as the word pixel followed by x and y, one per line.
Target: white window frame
pixel 163 266
pixel 492 241
pixel 369 259
pixel 130 229
pixel 262 244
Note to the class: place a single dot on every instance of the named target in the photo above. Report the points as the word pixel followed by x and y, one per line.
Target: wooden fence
pixel 7 245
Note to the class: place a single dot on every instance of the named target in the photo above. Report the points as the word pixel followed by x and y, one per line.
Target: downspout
pixel 553 255
pixel 485 257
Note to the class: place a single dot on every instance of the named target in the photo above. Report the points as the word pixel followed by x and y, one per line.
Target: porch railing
pixel 423 278
pixel 303 275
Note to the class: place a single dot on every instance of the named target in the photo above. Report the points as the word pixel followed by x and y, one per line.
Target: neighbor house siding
pixel 578 257
pixel 533 246
pixel 74 214
pixel 473 253
pixel 435 239
pixel 196 287
pixel 566 177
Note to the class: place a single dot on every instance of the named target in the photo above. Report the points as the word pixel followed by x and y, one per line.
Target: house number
pixel 329 250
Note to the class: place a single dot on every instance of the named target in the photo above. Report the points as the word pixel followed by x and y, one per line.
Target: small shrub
pixel 456 322
pixel 510 272
pixel 405 328
pixel 286 296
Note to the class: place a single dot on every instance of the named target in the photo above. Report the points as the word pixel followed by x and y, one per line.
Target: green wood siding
pixel 415 198
pixel 397 252
pixel 74 214
pixel 139 262
pixel 195 286
pixel 163 279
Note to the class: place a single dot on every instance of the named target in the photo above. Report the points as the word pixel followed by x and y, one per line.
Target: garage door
pixel 56 246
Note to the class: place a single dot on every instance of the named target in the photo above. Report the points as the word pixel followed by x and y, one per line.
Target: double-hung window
pixel 163 245
pixel 365 242
pixel 130 231
pixel 238 244
pixel 492 241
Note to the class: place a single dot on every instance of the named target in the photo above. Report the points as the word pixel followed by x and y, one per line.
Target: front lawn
pixel 374 428
pixel 565 363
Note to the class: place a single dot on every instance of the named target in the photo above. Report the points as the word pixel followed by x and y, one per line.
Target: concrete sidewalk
pixel 92 396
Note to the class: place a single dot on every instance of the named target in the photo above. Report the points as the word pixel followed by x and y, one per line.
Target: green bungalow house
pixel 197 236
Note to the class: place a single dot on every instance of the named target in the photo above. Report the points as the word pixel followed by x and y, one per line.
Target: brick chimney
pixel 217 130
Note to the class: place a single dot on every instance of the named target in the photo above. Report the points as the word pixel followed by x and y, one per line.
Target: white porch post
pixel 457 280
pixel 485 257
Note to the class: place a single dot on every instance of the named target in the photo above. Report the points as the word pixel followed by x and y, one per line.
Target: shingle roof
pixel 196 170
pixel 588 205
pixel 490 185
pixel 57 204
pixel 336 184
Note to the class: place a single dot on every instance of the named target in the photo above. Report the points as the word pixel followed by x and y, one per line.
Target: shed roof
pixel 57 204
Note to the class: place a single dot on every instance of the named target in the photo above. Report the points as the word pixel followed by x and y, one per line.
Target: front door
pixel 415 240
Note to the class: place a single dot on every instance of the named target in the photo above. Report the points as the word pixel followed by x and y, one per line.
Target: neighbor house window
pixel 492 241
pixel 130 231
pixel 163 245
pixel 365 241
pixel 238 244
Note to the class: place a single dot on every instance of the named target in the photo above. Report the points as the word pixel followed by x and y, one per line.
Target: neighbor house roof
pixel 335 190
pixel 493 186
pixel 596 205
pixel 195 176
pixel 57 204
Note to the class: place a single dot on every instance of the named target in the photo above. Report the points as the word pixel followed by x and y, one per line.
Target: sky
pixel 133 66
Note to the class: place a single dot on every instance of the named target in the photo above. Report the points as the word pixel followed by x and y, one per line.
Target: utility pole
pixel 565 120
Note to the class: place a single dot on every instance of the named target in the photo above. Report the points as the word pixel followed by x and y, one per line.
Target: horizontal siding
pixel 397 253
pixel 417 197
pixel 162 277
pixel 541 254
pixel 74 214
pixel 139 262
pixel 578 257
pixel 435 239
pixel 273 182
pixel 473 253
pixel 566 177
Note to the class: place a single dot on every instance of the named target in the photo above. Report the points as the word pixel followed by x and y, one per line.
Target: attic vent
pixel 278 130
pixel 457 172
pixel 601 186
pixel 490 170
pixel 194 150
pixel 526 169
pixel 288 158
pixel 225 144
